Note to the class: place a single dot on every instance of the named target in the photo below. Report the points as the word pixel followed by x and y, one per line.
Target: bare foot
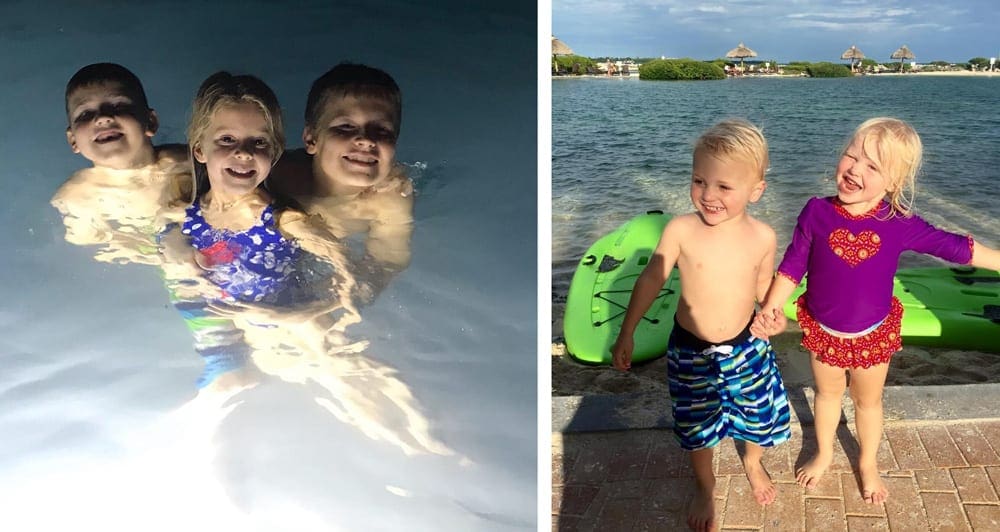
pixel 808 475
pixel 760 482
pixel 701 513
pixel 873 490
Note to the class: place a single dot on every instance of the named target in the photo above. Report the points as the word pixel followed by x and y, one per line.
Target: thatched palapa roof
pixel 853 53
pixel 740 52
pixel 560 48
pixel 903 53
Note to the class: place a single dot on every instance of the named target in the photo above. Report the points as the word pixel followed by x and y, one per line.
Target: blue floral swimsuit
pixel 249 266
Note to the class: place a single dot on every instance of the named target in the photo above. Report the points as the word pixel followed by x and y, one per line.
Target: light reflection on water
pixel 434 420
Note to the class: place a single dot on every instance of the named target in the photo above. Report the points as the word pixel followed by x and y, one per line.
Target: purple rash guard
pixel 851 260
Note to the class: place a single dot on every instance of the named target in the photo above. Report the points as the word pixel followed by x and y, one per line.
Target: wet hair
pixel 222 89
pixel 737 139
pixel 895 148
pixel 102 73
pixel 350 79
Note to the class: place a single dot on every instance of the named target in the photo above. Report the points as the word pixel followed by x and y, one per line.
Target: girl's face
pixel 860 183
pixel 236 150
pixel 354 145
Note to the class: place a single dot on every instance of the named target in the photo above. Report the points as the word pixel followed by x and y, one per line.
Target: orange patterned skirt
pixel 865 351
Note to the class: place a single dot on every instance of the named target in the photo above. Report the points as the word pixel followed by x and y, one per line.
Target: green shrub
pixel 566 62
pixel 828 70
pixel 980 62
pixel 680 69
pixel 795 68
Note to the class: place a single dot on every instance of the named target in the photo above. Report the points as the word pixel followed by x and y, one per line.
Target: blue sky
pixel 782 30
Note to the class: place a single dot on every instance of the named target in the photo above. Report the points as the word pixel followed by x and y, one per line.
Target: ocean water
pixel 623 146
pixel 101 422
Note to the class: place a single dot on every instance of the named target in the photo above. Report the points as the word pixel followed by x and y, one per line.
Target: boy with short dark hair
pixel 122 200
pixel 352 120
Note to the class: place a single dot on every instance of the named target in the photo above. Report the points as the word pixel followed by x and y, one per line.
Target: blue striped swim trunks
pixel 731 389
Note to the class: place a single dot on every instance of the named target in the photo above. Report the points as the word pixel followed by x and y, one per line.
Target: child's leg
pixel 866 392
pixel 830 384
pixel 701 514
pixel 760 481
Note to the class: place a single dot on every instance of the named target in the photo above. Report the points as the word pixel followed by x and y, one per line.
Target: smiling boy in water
pixel 723 381
pixel 352 121
pixel 122 200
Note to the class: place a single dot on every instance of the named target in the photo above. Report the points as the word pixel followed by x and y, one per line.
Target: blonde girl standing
pixel 850 245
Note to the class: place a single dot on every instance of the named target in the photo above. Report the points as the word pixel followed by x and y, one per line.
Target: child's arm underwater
pixel 316 239
pixel 647 287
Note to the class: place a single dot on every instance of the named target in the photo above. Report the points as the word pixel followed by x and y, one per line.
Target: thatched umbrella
pixel 560 48
pixel 901 54
pixel 740 52
pixel 854 54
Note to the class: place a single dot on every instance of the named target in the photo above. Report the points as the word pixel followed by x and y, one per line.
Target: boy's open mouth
pixel 110 135
pixel 361 158
pixel 851 185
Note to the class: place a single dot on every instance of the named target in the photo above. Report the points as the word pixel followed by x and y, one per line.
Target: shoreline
pixel 945 73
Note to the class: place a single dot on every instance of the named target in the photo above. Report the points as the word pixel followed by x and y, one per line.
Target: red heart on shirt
pixel 854 249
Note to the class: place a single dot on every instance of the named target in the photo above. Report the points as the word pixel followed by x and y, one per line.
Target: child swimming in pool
pixel 850 245
pixel 122 201
pixel 352 123
pixel 235 235
pixel 723 381
pixel 246 242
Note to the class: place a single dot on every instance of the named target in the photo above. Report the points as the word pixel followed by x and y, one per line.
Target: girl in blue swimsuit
pixel 243 247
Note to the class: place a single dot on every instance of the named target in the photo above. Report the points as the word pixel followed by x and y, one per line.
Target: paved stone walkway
pixel 941 475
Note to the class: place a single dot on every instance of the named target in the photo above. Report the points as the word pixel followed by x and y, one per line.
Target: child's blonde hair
pixel 736 138
pixel 896 149
pixel 221 89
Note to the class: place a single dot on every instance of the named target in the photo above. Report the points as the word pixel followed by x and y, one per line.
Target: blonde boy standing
pixel 723 381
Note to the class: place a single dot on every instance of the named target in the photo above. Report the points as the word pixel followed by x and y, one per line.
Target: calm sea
pixel 623 146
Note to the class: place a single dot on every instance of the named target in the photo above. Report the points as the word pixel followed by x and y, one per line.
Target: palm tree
pixel 902 54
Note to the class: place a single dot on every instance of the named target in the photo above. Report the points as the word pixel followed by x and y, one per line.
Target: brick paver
pixel 940 476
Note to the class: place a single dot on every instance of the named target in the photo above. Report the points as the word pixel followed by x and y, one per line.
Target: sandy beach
pixel 914 365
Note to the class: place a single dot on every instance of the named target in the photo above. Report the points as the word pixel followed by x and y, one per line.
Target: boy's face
pixel 108 128
pixel 354 143
pixel 722 188
pixel 236 150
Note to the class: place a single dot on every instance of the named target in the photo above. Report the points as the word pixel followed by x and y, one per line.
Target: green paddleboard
pixel 944 307
pixel 601 288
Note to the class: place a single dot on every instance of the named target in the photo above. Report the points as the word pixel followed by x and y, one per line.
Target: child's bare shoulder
pixel 78 186
pixel 682 226
pixel 397 183
pixel 761 232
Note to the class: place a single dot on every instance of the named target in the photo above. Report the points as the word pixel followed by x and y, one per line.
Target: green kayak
pixel 944 307
pixel 601 288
